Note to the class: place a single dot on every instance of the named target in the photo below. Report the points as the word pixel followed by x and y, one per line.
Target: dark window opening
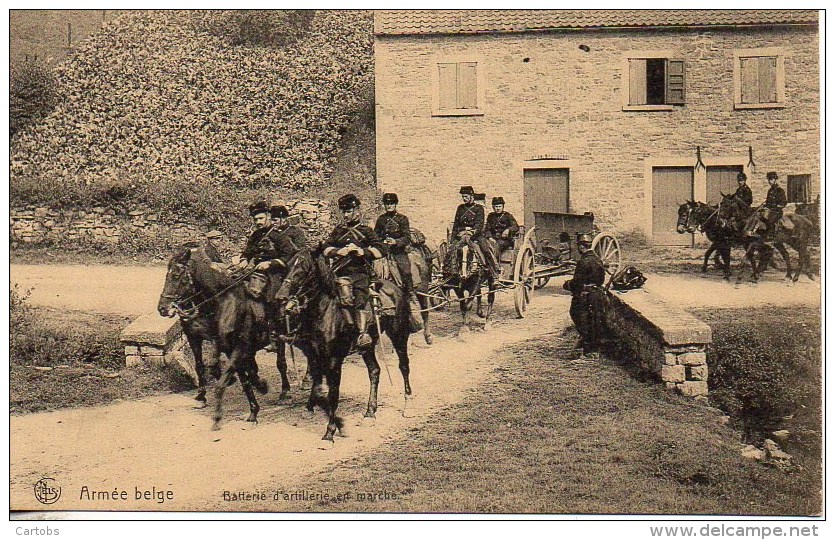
pixel 799 188
pixel 655 81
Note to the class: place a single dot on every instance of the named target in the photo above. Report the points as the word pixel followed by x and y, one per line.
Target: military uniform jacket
pixel 361 235
pixel 468 215
pixel 498 223
pixel 589 271
pixel 396 227
pixel 776 198
pixel 289 241
pixel 743 193
pixel 260 246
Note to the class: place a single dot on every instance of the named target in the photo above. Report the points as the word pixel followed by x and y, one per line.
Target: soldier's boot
pixel 415 324
pixel 363 339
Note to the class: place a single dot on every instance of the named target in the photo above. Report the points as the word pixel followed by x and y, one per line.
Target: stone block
pixel 692 359
pixel 133 360
pixel 158 361
pixel 131 350
pixel 670 359
pixel 150 350
pixel 697 373
pixel 673 374
pixel 693 388
pixel 152 329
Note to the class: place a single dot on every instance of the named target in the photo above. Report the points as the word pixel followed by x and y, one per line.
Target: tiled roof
pixel 462 21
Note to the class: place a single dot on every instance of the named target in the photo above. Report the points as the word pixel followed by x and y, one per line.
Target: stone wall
pixel 39 225
pixel 541 95
pixel 662 340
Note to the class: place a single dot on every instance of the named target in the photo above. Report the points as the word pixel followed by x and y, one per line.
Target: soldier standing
pixel 775 201
pixel 393 227
pixel 587 296
pixel 354 245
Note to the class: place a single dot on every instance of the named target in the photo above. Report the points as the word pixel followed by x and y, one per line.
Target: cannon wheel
pixel 523 271
pixel 608 249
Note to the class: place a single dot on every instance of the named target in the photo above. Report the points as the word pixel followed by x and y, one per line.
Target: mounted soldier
pixel 467 226
pixel 393 228
pixel 354 245
pixel 775 201
pixel 743 192
pixel 211 246
pixel 289 239
pixel 501 229
pixel 587 295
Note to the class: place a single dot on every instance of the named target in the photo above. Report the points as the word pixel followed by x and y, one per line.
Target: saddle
pixel 787 223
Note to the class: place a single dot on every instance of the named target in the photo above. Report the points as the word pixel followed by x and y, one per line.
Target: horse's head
pixel 179 283
pixel 302 275
pixel 687 217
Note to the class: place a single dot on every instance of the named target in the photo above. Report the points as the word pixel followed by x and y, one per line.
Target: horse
pixel 697 216
pixel 737 213
pixel 466 274
pixel 420 280
pixel 326 335
pixel 798 237
pixel 212 306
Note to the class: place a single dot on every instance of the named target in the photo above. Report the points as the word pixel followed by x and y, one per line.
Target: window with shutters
pixel 759 78
pixel 653 82
pixel 457 89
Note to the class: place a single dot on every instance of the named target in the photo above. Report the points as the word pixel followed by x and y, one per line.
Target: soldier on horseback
pixel 501 229
pixel 775 201
pixel 289 238
pixel 743 192
pixel 467 226
pixel 354 245
pixel 393 227
pixel 587 296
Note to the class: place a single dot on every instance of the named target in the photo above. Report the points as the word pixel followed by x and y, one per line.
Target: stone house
pixel 619 112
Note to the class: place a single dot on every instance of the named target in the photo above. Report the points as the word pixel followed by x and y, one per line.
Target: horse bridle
pixel 179 303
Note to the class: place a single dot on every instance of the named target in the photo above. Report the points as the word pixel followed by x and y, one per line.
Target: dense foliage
pixel 32 94
pixel 178 106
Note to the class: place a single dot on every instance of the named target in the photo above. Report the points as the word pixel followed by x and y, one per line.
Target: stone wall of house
pixel 662 340
pixel 544 96
pixel 39 225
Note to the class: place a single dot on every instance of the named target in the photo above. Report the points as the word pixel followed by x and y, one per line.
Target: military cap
pixel 390 198
pixel 584 238
pixel 279 211
pixel 741 176
pixel 498 200
pixel 213 234
pixel 349 201
pixel 771 174
pixel 467 190
pixel 258 207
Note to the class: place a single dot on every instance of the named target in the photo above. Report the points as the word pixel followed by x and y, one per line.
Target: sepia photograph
pixel 470 262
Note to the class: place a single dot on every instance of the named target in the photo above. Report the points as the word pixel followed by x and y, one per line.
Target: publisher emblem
pixel 47 491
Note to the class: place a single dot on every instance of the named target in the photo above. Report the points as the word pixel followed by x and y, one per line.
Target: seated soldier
pixel 466 228
pixel 393 228
pixel 211 247
pixel 501 228
pixel 354 245
pixel 775 201
pixel 289 238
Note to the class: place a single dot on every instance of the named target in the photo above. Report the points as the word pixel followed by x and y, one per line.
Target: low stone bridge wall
pixel 155 340
pixel 663 339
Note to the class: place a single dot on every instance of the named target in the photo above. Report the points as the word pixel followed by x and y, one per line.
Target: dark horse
pixel 326 336
pixel 421 282
pixel 753 227
pixel 697 216
pixel 213 307
pixel 465 274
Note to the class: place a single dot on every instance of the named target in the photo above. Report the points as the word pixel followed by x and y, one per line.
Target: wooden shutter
pixel 767 79
pixel 467 86
pixel 447 86
pixel 675 82
pixel 637 81
pixel 749 80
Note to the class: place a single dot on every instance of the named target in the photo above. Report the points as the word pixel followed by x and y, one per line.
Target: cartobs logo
pixel 47 491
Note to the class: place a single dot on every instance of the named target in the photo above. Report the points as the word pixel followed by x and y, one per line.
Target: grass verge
pixel 551 435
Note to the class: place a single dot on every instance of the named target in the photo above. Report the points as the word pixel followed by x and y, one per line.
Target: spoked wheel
pixel 437 278
pixel 523 272
pixel 540 282
pixel 608 249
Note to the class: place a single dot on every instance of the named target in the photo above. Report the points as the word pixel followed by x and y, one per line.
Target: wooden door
pixel 546 190
pixel 721 179
pixel 671 186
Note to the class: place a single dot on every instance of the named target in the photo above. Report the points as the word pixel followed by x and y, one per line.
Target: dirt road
pixel 162 444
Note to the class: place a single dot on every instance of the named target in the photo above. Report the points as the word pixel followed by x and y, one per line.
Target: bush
pixel 35 340
pixel 264 28
pixel 32 94
pixel 764 366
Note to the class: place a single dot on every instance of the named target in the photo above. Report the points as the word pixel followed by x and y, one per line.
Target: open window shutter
pixel 637 81
pixel 447 86
pixel 749 80
pixel 675 82
pixel 467 84
pixel 767 67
